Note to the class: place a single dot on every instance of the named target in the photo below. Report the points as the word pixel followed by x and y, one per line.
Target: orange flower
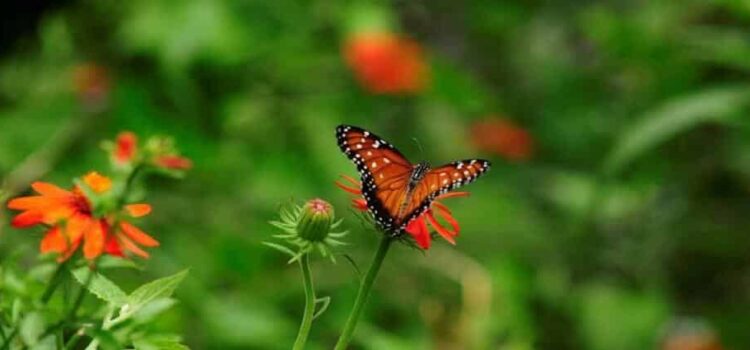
pixel 417 228
pixel 128 237
pixel 503 137
pixel 386 63
pixel 174 162
pixel 126 147
pixel 71 222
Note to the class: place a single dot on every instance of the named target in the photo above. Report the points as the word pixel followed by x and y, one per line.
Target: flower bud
pixel 316 220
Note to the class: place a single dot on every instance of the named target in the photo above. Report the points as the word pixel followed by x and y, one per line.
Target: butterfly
pixel 395 190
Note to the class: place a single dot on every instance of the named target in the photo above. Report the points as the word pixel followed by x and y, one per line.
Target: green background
pixel 631 216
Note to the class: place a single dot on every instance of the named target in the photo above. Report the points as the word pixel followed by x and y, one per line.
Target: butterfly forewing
pixel 439 181
pixel 384 171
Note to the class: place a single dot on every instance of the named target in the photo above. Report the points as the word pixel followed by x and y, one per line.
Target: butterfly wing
pixel 383 169
pixel 440 180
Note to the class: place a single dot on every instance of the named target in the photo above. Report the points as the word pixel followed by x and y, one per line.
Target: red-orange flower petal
pixel 447 216
pixel 132 247
pixel 352 190
pixel 112 246
pixel 97 182
pixel 174 162
pixel 126 147
pixel 138 210
pixel 93 245
pixel 137 235
pixel 54 241
pixel 418 229
pixel 27 218
pixel 48 189
pixel 442 231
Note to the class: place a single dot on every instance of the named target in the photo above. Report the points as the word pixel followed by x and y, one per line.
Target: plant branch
pixel 307 317
pixel 364 291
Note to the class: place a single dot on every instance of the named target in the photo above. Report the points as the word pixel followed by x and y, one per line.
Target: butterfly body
pixel 397 191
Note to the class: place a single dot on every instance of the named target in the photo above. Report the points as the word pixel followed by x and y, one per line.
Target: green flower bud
pixel 315 222
pixel 306 228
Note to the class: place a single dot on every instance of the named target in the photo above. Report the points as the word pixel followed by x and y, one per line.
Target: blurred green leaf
pixel 100 286
pixel 105 339
pixel 160 288
pixel 32 326
pixel 615 319
pixel 673 117
pixel 158 344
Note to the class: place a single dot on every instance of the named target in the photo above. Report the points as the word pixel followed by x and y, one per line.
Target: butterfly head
pixel 419 171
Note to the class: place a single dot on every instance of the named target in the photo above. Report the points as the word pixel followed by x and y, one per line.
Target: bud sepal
pixel 307 228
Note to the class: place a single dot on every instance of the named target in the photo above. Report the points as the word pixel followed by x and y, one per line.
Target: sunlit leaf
pixel 160 288
pixel 154 308
pixel 100 286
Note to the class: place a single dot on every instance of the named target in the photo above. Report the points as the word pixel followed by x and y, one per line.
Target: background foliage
pixel 627 226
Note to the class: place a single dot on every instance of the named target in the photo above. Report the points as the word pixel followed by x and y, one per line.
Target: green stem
pixel 54 282
pixel 12 335
pixel 307 318
pixel 364 291
pixel 82 293
pixel 73 341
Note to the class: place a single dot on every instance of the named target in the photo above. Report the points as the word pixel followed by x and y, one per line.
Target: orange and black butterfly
pixel 397 191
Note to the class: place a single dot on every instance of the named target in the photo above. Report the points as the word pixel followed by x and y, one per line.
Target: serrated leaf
pixel 673 117
pixel 154 308
pixel 160 288
pixel 100 286
pixel 109 262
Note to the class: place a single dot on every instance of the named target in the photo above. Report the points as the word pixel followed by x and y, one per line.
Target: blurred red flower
pixel 174 162
pixel 71 219
pixel 503 137
pixel 126 146
pixel 92 84
pixel 417 228
pixel 385 63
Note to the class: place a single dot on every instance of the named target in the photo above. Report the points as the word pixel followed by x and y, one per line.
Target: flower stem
pixel 307 317
pixel 57 277
pixel 364 291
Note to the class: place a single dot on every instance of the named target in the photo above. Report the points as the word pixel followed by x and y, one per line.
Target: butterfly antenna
pixel 419 145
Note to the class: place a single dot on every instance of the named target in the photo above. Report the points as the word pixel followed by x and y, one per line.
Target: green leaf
pixel 673 117
pixel 109 262
pixel 32 326
pixel 100 286
pixel 280 248
pixel 158 344
pixel 160 288
pixel 106 339
pixel 325 301
pixel 152 309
